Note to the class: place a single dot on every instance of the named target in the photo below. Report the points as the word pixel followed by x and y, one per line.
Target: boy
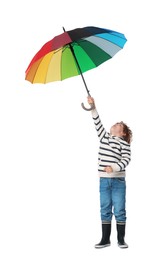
pixel 114 156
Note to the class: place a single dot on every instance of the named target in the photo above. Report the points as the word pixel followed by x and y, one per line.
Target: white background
pixel 49 198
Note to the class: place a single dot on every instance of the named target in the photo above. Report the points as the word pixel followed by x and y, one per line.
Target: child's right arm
pixel 98 124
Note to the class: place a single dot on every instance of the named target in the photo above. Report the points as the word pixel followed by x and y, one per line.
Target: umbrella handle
pixel 92 106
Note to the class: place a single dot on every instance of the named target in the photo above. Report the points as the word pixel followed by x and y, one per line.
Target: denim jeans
pixel 113 199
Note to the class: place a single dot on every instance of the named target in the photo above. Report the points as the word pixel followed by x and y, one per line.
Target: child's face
pixel 117 130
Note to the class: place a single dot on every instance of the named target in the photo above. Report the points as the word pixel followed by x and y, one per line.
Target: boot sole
pixel 101 246
pixel 123 246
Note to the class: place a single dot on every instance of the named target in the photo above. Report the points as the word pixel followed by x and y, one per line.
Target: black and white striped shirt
pixel 113 151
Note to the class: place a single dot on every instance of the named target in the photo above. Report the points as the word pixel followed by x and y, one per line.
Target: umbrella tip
pixel 63 28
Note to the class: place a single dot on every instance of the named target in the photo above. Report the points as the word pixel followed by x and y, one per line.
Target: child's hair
pixel 128 133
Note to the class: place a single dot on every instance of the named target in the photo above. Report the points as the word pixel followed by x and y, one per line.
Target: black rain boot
pixel 106 232
pixel 121 235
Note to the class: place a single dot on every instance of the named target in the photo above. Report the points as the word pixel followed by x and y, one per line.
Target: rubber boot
pixel 106 232
pixel 121 235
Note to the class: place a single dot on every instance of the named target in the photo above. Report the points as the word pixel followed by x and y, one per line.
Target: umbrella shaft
pixel 71 48
pixel 85 84
pixel 79 69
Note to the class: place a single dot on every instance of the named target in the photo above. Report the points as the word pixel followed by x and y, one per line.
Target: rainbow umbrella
pixel 72 53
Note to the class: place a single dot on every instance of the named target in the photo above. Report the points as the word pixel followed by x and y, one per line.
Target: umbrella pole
pixel 71 48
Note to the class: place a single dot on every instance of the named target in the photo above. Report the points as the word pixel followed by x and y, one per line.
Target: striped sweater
pixel 113 151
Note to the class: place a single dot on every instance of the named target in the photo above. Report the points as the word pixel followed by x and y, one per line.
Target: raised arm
pixel 98 125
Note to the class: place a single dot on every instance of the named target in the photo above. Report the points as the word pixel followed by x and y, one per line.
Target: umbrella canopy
pixel 72 53
pixel 91 45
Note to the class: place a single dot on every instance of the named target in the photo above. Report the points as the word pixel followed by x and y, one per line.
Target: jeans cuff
pixel 121 222
pixel 106 222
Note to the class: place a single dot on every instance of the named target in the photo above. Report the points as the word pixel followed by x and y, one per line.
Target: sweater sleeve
pixel 98 125
pixel 125 159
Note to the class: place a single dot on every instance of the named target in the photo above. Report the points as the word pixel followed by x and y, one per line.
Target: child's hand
pixel 90 100
pixel 108 169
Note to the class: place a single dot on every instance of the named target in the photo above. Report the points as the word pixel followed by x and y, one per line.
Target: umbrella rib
pixel 36 71
pixel 40 64
pixel 55 51
pixel 48 66
pixel 108 40
pixel 86 38
pixel 87 53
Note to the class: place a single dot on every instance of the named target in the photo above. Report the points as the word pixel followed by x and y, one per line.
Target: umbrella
pixel 72 53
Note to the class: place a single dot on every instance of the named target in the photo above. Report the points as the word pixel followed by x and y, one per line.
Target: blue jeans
pixel 113 199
